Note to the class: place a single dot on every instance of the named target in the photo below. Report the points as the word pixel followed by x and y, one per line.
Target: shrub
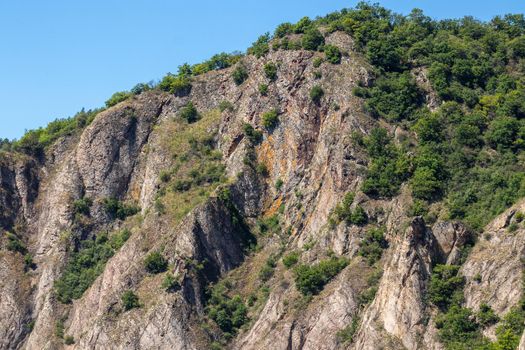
pixel 270 119
pixel 85 264
pixel 118 209
pixel 346 335
pixel 279 184
pixel 266 271
pixel 458 329
pixel 240 74
pixel 155 263
pixel 14 244
pixel 343 211
pixel 486 316
pixel 189 113
pixel 81 206
pixel 170 283
pixel 317 62
pixel 388 166
pixel 303 24
pixel 129 300
pixel 310 280
pixel 118 97
pixel 180 85
pixel 333 54
pixel 283 29
pixel 260 47
pixel 394 97
pixel 59 329
pixel 316 93
pixel 140 88
pixel 444 282
pixel 225 105
pixel 254 136
pixel 270 71
pixel 290 259
pixel 229 313
pixel 312 39
pixel 69 340
pixel 263 89
pixel 373 244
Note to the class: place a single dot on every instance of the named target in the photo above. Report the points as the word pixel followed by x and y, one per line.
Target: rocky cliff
pixel 266 202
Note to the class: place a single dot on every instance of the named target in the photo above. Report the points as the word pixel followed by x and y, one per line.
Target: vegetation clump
pixel 86 263
pixel 229 313
pixel 189 113
pixel 310 280
pixel 270 71
pixel 119 210
pixel 344 212
pixel 316 94
pixel 130 300
pixel 240 74
pixel 373 244
pixel 270 119
pixel 118 97
pixel 155 263
pixel 333 54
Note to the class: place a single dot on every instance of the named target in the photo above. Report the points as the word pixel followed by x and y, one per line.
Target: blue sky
pixel 60 55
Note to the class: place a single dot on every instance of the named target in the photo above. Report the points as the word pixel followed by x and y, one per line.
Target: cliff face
pixel 207 238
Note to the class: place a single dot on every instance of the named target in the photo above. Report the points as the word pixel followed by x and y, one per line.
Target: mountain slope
pixel 291 198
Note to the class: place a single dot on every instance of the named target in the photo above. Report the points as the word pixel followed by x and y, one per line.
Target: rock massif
pixel 123 153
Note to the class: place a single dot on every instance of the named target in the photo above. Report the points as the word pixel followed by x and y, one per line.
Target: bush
pixel 486 316
pixel 266 271
pixel 291 259
pixel 283 29
pixel 310 280
pixel 254 136
pixel 387 168
pixel 260 48
pixel 270 119
pixel 343 211
pixel 270 70
pixel 170 283
pixel 317 62
pixel 372 245
pixel 444 282
pixel 394 97
pixel 312 39
pixel 86 264
pixel 155 263
pixel 303 24
pixel 179 85
pixel 279 184
pixel 333 54
pixel 130 300
pixel 140 88
pixel 118 209
pixel 225 105
pixel 346 335
pixel 229 313
pixel 316 93
pixel 458 329
pixel 14 244
pixel 263 89
pixel 118 97
pixel 69 340
pixel 240 74
pixel 189 113
pixel 81 206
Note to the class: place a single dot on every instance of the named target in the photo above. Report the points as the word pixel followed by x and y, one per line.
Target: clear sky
pixel 58 56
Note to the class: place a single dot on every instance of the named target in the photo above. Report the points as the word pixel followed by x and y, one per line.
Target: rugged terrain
pixel 261 210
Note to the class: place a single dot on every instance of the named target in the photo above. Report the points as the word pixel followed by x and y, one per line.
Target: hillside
pixel 356 181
